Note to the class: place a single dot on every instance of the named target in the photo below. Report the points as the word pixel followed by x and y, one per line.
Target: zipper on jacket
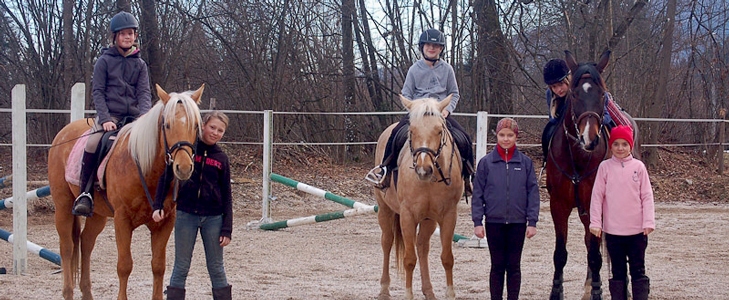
pixel 202 166
pixel 508 197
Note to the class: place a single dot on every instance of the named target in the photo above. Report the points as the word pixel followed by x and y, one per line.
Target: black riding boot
pixel 618 290
pixel 223 293
pixel 84 204
pixel 641 288
pixel 175 293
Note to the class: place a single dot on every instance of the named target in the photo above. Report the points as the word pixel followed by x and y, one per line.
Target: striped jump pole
pixel 31 195
pixel 35 248
pixel 359 208
pixel 319 218
pixel 318 192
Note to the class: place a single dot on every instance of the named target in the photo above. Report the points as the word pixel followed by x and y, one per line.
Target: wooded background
pixel 669 58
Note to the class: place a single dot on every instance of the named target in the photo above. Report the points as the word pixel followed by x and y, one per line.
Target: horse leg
pixel 123 231
pixel 386 218
pixel 68 228
pixel 593 284
pixel 427 227
pixel 160 237
pixel 92 227
pixel 408 227
pixel 560 251
pixel 447 229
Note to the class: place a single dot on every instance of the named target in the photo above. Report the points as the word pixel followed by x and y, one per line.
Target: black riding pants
pixel 506 242
pixel 624 250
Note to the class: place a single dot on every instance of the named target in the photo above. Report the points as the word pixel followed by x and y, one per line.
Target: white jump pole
pixel 482 135
pixel 20 176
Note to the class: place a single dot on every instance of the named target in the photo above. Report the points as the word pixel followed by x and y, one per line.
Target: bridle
pixel 169 151
pixel 434 154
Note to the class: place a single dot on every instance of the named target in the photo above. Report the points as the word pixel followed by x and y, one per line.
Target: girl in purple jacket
pixel 505 192
pixel 622 207
pixel 120 90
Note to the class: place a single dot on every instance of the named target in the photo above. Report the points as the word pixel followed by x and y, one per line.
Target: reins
pixel 576 177
pixel 168 161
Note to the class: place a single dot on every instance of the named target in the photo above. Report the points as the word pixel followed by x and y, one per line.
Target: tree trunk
pixel 151 47
pixel 656 104
pixel 493 54
pixel 349 84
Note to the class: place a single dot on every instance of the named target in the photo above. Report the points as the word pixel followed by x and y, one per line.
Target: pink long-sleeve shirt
pixel 622 197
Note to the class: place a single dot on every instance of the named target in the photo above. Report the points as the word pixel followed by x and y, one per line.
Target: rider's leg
pixel 382 173
pixel 466 150
pixel 84 204
pixel 546 138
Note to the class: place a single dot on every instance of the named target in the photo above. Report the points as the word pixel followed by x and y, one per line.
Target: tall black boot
pixel 618 290
pixel 641 288
pixel 175 293
pixel 84 204
pixel 223 293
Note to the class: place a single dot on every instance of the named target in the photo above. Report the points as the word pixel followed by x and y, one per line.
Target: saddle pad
pixel 73 165
pixel 616 112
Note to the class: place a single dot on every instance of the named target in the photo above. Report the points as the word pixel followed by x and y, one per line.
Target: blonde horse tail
pixel 75 257
pixel 399 245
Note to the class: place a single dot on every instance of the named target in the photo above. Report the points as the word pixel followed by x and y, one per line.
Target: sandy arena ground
pixel 686 259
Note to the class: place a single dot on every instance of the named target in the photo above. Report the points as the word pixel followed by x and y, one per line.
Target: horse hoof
pixel 383 297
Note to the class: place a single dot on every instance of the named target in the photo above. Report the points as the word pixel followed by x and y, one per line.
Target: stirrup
pixel 83 211
pixel 376 175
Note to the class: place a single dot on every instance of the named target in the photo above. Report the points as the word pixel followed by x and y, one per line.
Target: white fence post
pixel 78 101
pixel 267 160
pixel 482 134
pixel 20 169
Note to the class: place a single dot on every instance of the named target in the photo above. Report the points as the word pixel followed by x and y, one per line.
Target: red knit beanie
pixel 507 123
pixel 622 132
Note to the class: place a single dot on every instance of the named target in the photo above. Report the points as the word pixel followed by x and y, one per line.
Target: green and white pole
pixel 318 192
pixel 319 218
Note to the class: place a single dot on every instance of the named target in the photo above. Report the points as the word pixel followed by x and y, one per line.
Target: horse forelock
pixel 424 108
pixel 191 118
pixel 141 135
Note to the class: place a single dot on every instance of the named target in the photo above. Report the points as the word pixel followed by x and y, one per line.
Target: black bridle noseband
pixel 177 146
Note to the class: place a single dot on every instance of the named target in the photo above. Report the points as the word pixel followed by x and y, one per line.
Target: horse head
pixel 180 124
pixel 586 100
pixel 426 134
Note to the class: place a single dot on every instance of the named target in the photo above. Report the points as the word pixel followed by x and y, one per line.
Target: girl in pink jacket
pixel 622 207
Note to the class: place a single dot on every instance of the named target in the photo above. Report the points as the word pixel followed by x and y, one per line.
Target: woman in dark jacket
pixel 505 191
pixel 205 203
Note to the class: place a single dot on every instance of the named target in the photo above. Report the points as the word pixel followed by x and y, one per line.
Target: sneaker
pixel 376 175
pixel 83 206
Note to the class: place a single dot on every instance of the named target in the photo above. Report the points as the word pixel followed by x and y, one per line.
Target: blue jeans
pixel 186 227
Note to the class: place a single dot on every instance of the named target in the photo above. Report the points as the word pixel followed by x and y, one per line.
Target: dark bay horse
pixel 577 148
pixel 429 186
pixel 164 135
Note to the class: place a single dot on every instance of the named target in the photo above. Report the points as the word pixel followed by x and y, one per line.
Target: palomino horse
pixel 145 145
pixel 429 186
pixel 576 150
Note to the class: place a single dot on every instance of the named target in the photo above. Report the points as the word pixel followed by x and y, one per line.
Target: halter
pixel 434 155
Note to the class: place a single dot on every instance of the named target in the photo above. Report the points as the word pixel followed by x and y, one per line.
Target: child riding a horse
pixel 120 90
pixel 557 76
pixel 430 77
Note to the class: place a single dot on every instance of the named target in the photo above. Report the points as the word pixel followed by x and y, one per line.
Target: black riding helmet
pixel 433 36
pixel 123 20
pixel 555 71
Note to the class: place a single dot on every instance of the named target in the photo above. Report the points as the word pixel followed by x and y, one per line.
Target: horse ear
pixel 443 104
pixel 604 60
pixel 406 102
pixel 162 94
pixel 197 95
pixel 570 60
